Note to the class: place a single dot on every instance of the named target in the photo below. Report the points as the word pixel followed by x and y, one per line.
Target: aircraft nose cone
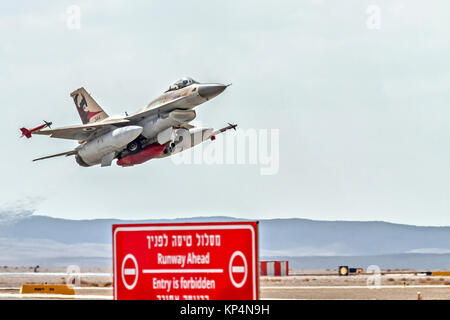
pixel 209 91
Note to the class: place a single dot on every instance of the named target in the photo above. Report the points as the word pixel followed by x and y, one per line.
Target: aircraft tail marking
pixel 88 109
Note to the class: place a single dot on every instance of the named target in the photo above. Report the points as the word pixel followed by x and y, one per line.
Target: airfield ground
pixel 96 284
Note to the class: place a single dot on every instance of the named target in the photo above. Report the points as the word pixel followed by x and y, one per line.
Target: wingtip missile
pixel 230 126
pixel 28 132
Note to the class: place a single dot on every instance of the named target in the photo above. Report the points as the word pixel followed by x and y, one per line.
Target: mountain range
pixel 308 244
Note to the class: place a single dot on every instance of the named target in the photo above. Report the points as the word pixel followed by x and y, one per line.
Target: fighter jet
pixel 158 130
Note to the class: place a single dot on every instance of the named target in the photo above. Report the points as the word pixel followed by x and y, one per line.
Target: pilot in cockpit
pixel 184 82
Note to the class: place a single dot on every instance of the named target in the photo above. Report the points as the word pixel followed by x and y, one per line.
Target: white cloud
pixel 430 251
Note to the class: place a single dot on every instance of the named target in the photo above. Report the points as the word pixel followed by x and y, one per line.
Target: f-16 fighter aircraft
pixel 158 130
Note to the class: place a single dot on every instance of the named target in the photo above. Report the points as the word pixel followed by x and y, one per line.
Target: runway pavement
pixel 395 292
pixel 396 287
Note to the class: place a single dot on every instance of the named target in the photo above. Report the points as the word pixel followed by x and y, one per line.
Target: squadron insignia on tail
pixel 87 107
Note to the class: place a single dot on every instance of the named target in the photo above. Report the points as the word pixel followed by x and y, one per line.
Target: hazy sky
pixel 363 113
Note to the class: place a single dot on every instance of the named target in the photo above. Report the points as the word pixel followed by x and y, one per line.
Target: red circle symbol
pixel 238 269
pixel 130 271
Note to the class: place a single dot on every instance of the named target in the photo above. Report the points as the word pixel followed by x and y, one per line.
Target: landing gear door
pixel 165 136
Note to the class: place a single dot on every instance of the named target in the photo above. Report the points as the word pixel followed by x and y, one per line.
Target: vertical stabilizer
pixel 88 109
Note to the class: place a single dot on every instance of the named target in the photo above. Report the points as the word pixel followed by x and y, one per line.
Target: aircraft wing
pixel 83 132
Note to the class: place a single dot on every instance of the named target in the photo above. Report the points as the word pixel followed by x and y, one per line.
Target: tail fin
pixel 88 109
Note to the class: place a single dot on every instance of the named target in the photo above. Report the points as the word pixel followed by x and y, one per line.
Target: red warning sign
pixel 186 261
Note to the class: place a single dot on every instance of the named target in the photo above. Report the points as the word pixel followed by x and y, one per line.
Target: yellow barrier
pixel 47 288
pixel 440 273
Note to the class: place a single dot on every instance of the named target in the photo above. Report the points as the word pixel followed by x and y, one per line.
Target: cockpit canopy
pixel 183 82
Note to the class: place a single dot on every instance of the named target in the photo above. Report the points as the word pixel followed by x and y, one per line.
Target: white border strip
pixel 81 274
pixel 182 271
pixel 190 228
pixel 338 287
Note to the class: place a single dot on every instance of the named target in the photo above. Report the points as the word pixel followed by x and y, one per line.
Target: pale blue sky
pixel 363 114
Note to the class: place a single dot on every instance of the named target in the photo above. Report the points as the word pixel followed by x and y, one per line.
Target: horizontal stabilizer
pixel 68 153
